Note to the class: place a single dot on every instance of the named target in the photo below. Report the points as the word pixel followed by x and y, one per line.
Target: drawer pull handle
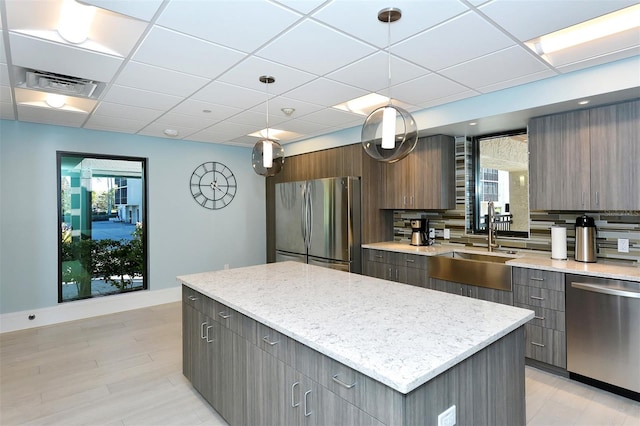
pixel 537 344
pixel 536 279
pixel 269 342
pixel 202 336
pixel 192 298
pixel 294 404
pixel 410 260
pixel 223 315
pixel 537 298
pixel 306 394
pixel 538 318
pixel 379 256
pixel 341 383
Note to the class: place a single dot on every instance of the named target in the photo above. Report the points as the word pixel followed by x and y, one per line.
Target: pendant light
pixel 267 157
pixel 389 133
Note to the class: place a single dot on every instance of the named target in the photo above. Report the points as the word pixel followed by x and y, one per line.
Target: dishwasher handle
pixel 606 290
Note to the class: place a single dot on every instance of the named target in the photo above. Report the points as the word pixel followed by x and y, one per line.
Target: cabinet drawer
pixel 545 345
pixel 382 256
pixel 547 318
pixel 192 298
pixel 413 261
pixel 541 297
pixel 275 343
pixel 538 278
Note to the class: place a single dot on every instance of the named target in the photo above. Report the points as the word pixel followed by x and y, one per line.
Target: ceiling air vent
pixel 57 83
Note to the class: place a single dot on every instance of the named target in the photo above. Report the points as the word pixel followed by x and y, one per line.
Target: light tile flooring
pixel 126 369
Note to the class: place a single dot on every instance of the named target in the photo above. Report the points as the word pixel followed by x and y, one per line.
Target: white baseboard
pixel 71 311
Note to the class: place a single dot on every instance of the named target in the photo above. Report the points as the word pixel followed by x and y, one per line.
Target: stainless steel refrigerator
pixel 318 222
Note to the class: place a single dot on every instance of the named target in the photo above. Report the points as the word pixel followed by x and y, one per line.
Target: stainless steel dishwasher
pixel 603 330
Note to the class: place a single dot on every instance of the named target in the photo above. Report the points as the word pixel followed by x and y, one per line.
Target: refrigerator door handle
pixel 309 218
pixel 303 214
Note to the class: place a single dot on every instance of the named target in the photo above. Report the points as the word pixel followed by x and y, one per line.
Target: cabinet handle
pixel 397 275
pixel 223 315
pixel 209 328
pixel 269 342
pixel 461 291
pixel 537 298
pixel 597 199
pixel 582 199
pixel 537 344
pixel 379 256
pixel 410 260
pixel 306 394
pixel 202 336
pixel 293 403
pixel 404 200
pixel 536 279
pixel 538 318
pixel 411 202
pixel 341 383
pixel 469 292
pixel 192 298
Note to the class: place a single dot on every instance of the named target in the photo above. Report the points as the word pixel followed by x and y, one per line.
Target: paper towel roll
pixel 559 242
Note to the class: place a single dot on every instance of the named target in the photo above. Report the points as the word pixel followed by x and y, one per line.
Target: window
pixel 102 244
pixel 501 170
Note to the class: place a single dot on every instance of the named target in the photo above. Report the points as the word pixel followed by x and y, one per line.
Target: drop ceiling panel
pixel 277 103
pixel 372 72
pixel 427 88
pixel 495 67
pixel 222 132
pixel 598 60
pixel 125 125
pixel 334 116
pixel 229 95
pixel 159 80
pixel 527 19
pixel 315 48
pixel 416 16
pixel 50 116
pixel 187 54
pixel 227 22
pixel 247 74
pixel 326 92
pixel 157 129
pixel 467 37
pixel 173 120
pixel 140 98
pixel 6 109
pixel 504 84
pixel 138 9
pixel 44 55
pixel 5 94
pixel 198 108
pixel 113 110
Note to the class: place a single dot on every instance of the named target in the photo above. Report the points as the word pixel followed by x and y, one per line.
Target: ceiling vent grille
pixel 57 83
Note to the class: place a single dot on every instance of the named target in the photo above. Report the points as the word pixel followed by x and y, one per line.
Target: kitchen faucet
pixel 491 227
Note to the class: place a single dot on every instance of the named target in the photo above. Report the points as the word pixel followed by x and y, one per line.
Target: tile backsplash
pixel 610 225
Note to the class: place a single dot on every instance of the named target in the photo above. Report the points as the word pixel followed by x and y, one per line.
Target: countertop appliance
pixel 419 235
pixel 585 239
pixel 318 222
pixel 603 337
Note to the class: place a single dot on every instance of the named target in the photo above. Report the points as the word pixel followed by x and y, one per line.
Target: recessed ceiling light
pixel 583 102
pixel 55 101
pixel 287 111
pixel 600 27
pixel 364 105
pixel 171 132
pixel 473 123
pixel 75 21
pixel 206 111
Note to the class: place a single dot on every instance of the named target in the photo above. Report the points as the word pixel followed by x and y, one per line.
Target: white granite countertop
pixel 400 335
pixel 541 261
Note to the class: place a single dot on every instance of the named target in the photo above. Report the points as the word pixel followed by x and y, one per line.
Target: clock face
pixel 213 185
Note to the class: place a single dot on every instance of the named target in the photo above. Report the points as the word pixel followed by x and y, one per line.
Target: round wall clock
pixel 213 185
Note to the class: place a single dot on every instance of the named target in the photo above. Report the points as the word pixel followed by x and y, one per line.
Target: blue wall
pixel 183 236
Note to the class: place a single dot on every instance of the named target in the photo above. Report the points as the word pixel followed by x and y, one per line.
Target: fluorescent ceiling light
pixel 75 21
pixel 364 105
pixel 603 26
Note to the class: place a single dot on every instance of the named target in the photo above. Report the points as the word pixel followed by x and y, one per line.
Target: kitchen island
pixel 291 343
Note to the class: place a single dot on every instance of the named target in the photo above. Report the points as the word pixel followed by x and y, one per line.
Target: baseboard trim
pixel 88 308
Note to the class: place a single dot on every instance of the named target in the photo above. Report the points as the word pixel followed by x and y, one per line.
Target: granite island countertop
pixel 400 335
pixel 521 259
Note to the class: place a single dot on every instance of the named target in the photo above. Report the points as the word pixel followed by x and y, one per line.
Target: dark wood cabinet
pixel 404 268
pixel 586 159
pixel 543 293
pixel 425 179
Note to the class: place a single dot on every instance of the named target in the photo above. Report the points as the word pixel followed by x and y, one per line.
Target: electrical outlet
pixel 447 417
pixel 447 233
pixel 432 233
pixel 623 245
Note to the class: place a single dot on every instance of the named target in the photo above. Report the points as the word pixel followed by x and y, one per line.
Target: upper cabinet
pixel 424 180
pixel 586 159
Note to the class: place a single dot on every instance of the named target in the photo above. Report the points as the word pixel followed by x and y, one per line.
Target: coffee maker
pixel 419 236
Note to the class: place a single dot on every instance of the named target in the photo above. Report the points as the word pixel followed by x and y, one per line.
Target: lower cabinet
pixel 482 293
pixel 404 268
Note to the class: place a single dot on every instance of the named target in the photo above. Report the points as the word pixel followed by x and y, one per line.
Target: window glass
pixel 102 226
pixel 501 164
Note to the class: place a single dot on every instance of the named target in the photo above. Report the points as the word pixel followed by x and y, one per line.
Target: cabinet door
pixel 265 388
pixel 559 162
pixel 397 181
pixel 434 173
pixel 615 150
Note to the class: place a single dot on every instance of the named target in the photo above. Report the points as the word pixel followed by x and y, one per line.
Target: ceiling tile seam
pixel 7 52
pixel 127 59
pixel 520 43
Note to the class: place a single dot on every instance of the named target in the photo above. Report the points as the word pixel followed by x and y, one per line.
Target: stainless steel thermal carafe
pixel 585 239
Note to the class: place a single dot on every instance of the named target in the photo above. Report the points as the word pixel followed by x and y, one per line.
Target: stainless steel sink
pixel 480 269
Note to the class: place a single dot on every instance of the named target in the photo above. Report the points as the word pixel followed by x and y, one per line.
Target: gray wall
pixel 183 236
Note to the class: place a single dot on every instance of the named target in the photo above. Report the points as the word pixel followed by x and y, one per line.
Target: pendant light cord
pixel 267 84
pixel 389 55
